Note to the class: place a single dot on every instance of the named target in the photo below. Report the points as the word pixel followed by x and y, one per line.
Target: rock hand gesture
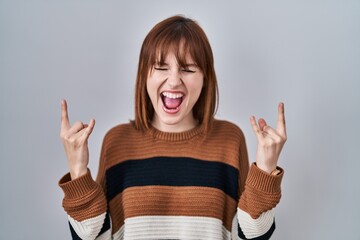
pixel 75 141
pixel 270 141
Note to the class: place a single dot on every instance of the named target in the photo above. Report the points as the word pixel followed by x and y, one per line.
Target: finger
pixel 255 127
pixel 262 123
pixel 88 130
pixel 281 126
pixel 77 127
pixel 272 133
pixel 65 124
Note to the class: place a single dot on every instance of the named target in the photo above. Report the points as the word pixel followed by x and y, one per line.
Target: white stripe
pixel 172 227
pixel 253 228
pixel 119 235
pixel 89 228
pixel 234 229
pixel 105 236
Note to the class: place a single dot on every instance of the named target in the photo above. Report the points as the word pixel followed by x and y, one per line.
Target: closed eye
pixel 160 68
pixel 188 71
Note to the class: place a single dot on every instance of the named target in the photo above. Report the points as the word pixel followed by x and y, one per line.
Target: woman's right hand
pixel 75 141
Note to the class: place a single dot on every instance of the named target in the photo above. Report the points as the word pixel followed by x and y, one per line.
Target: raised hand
pixel 75 141
pixel 270 141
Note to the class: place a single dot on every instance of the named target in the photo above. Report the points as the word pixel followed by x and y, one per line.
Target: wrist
pixel 76 173
pixel 266 168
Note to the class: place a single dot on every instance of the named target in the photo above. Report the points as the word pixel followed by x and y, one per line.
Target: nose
pixel 174 79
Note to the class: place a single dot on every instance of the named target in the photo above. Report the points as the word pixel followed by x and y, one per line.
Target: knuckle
pixel 72 141
pixel 67 138
pixel 63 136
pixel 78 123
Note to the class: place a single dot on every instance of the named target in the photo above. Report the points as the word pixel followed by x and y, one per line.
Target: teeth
pixel 172 95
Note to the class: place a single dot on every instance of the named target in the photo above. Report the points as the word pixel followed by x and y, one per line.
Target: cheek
pixel 153 82
pixel 197 85
pixel 150 86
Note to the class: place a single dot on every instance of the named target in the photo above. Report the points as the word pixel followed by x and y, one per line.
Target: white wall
pixel 305 53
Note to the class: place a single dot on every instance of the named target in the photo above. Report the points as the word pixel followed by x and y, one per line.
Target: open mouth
pixel 172 101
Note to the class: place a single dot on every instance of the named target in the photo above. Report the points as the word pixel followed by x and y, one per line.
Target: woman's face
pixel 173 91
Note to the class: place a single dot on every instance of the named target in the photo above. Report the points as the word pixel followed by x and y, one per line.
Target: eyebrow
pixel 161 64
pixel 191 65
pixel 164 64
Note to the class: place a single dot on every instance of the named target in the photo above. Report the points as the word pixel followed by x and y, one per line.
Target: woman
pixel 175 172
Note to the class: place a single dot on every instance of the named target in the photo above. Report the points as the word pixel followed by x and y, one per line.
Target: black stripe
pixel 73 233
pixel 240 232
pixel 266 236
pixel 105 227
pixel 169 171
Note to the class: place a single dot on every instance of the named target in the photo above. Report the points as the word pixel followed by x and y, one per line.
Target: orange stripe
pixel 123 148
pixel 172 201
pixel 88 207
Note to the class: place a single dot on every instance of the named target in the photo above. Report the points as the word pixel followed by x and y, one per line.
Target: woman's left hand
pixel 270 141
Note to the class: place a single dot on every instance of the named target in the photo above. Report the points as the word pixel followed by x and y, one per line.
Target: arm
pixel 257 202
pixel 260 186
pixel 84 199
pixel 85 205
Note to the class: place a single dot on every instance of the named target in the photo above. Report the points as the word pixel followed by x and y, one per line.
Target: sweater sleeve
pixel 255 215
pixel 262 191
pixel 259 193
pixel 85 203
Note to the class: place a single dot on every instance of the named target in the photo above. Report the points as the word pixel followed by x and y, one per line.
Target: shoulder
pixel 225 133
pixel 227 128
pixel 123 127
pixel 121 132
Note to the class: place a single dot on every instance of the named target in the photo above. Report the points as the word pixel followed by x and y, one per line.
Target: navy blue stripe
pixel 169 171
pixel 266 236
pixel 73 233
pixel 240 233
pixel 105 227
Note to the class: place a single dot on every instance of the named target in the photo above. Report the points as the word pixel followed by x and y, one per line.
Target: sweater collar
pixel 176 136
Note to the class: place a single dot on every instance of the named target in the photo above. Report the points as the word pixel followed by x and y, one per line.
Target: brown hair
pixel 183 36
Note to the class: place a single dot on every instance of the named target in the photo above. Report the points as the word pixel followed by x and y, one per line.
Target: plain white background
pixel 305 53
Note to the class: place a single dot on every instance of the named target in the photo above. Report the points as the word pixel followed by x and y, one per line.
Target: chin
pixel 171 120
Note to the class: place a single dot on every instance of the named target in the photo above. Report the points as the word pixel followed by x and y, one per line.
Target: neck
pixel 176 127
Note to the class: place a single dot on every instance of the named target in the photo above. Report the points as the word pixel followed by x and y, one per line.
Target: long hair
pixel 183 36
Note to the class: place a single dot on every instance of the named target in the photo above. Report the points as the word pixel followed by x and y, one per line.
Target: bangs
pixel 180 49
pixel 182 43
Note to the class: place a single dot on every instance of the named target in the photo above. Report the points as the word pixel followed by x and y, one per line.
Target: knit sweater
pixel 158 185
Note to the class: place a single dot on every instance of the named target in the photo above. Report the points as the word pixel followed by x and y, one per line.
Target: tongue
pixel 172 103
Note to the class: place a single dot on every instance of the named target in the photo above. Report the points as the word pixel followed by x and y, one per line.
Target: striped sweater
pixel 157 185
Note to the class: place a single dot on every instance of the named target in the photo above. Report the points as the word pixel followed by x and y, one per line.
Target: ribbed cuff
pixel 263 181
pixel 78 187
